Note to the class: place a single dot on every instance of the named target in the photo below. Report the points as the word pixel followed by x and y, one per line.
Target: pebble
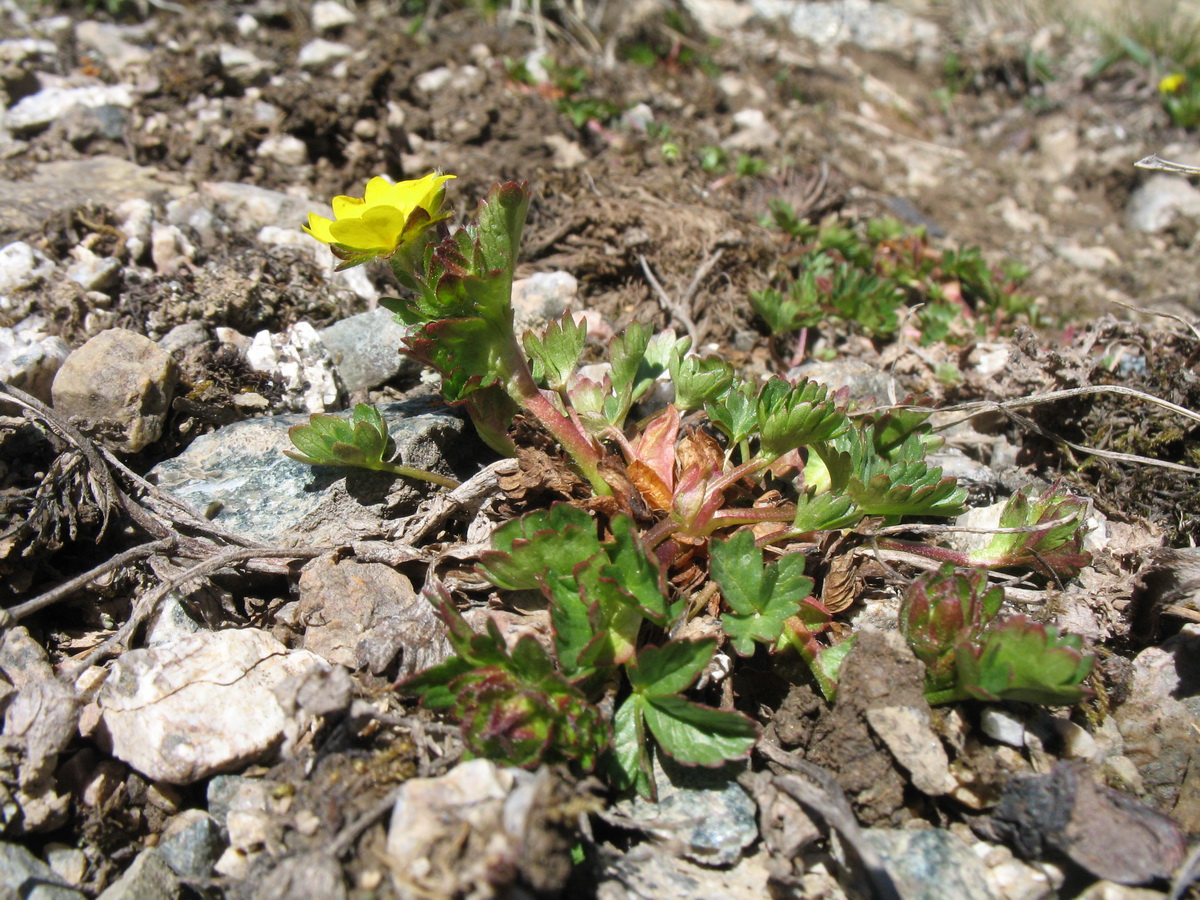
pixel 134 218
pixel 69 863
pixel 1001 725
pixel 863 379
pixel 910 738
pixel 543 297
pixel 243 66
pixel 149 878
pixel 859 22
pixel 237 793
pixel 191 844
pixel 92 272
pixel 240 473
pixel 285 149
pixel 700 814
pixel 22 266
pixel 320 53
pixel 29 358
pixel 121 381
pixel 248 207
pixel 50 104
pixel 644 872
pixel 752 131
pixel 184 711
pixel 365 614
pixel 365 349
pixel 111 44
pixel 298 361
pixel 1090 259
pixel 1159 201
pixel 24 875
pixel 328 15
pixel 932 864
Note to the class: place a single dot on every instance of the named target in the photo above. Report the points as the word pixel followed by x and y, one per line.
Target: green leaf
pixel 733 413
pixel 628 757
pixel 761 598
pixel 638 575
pixel 672 668
pixel 698 379
pixel 333 441
pixel 698 735
pixel 1050 548
pixel 523 549
pixel 499 223
pixel 824 512
pixel 792 416
pixel 1027 661
pixel 556 351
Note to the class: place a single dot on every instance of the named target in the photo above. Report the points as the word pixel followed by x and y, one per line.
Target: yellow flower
pixel 1172 83
pixel 383 220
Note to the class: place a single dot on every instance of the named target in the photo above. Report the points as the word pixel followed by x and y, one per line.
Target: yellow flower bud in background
pixel 387 217
pixel 1172 83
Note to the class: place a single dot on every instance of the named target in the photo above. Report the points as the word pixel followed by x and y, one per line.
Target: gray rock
pixel 753 131
pixel 241 474
pixel 39 110
pixel 863 379
pixel 297 360
pixel 25 876
pixel 69 863
pixel 121 384
pixel 149 878
pixel 243 66
pixel 29 359
pixel 22 266
pixel 184 711
pixel 365 349
pixel 1001 725
pixel 311 876
pixel 543 297
pixel 701 813
pixel 285 149
pixel 320 54
pixel 860 22
pixel 247 207
pixel 60 186
pixel 191 844
pixel 113 43
pixel 930 865
pixel 181 337
pixel 646 873
pixel 910 738
pixel 236 793
pixel 1156 204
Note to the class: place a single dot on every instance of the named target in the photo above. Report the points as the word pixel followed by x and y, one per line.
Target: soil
pixel 1026 166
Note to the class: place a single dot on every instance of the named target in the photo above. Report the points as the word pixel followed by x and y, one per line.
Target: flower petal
pixel 348 207
pixel 318 227
pixel 378 228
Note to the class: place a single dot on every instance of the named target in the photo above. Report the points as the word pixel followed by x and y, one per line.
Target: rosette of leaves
pixel 1053 545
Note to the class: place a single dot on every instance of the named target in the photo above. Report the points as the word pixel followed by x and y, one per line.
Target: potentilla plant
pixel 688 504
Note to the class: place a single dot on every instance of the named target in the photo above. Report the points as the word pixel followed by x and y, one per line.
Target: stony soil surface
pixel 154 172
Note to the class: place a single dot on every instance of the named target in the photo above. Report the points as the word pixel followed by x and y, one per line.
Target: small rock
pixel 248 207
pixel 909 735
pixel 170 250
pixel 1011 879
pixel 753 131
pixel 50 104
pixel 930 865
pixel 69 863
pixel 23 875
pixel 149 878
pixel 22 266
pixel 320 54
pixel 860 22
pixel 29 359
pixel 1154 205
pixel 1001 725
pixel 646 873
pixel 355 613
pixel 236 793
pixel 364 348
pixel 567 154
pixel 109 42
pixel 243 66
pixel 328 15
pixel 299 362
pixel 240 472
pixel 700 814
pixel 121 384
pixel 204 704
pixel 543 297
pixel 285 149
pixel 309 876
pixel 191 844
pixel 135 217
pixel 1107 890
pixel 92 272
pixel 184 336
pixel 863 379
pixel 1090 259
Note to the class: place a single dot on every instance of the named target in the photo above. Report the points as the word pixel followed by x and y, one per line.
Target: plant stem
pixel 420 474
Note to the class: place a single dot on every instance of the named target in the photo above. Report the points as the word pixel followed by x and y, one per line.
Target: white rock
pixel 300 361
pixel 22 266
pixel 246 25
pixel 170 249
pixel 43 108
pixel 1001 725
pixel 248 207
pixel 328 15
pixel 204 704
pixel 909 735
pixel 109 42
pixel 21 49
pixel 1153 206
pixel 753 132
pixel 29 359
pixel 285 149
pixel 320 53
pixel 464 80
pixel 135 216
pixel 92 272
pixel 1091 259
pixel 543 296
pixel 243 65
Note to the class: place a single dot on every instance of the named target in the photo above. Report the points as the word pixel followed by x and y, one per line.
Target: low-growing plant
pixel 842 278
pixel 705 506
